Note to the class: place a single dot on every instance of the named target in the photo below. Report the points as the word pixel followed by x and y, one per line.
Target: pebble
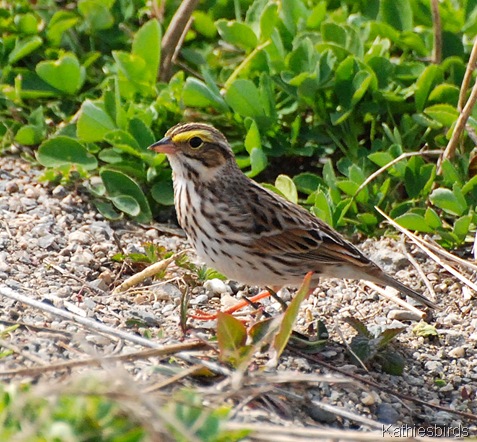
pixel 404 315
pixel 368 399
pixel 199 299
pixel 387 414
pixel 457 352
pixel 79 237
pixel 54 225
pixel 59 191
pixel 433 366
pixel 46 241
pixel 83 257
pixel 168 308
pixel 389 260
pixel 216 286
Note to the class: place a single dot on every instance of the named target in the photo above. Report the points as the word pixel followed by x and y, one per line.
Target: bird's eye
pixel 195 142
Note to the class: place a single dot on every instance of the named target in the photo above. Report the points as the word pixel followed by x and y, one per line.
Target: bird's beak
pixel 163 146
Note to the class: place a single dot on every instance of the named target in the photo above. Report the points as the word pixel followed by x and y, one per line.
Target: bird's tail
pixel 389 280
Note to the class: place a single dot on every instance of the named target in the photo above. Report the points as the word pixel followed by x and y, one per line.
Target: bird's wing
pixel 294 232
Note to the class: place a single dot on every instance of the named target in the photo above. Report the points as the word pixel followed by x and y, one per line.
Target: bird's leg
pixel 204 316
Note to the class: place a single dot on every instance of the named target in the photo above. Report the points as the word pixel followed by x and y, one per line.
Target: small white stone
pixel 82 257
pixel 168 308
pixel 367 399
pixel 434 366
pixel 216 286
pixel 404 315
pixel 457 352
pixel 79 236
pixel 200 299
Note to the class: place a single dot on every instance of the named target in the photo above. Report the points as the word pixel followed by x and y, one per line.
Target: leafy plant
pixel 237 343
pixel 324 92
pixel 372 346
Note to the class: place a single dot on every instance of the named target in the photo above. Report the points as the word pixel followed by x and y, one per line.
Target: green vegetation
pixel 337 88
pixel 94 413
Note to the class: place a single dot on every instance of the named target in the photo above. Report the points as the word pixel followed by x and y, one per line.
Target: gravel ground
pixel 56 248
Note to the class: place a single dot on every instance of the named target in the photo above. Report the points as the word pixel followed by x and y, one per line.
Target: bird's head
pixel 195 147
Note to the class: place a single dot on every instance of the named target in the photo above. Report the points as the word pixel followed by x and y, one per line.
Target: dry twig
pixel 431 254
pixel 152 270
pixel 459 127
pixel 436 20
pixel 99 327
pixel 174 35
pixel 392 163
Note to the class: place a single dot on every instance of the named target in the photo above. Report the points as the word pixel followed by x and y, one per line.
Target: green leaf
pixel 286 186
pixel 93 122
pixel 391 362
pixel 96 14
pixel 462 226
pixel 126 204
pixel 231 338
pixel 252 139
pixel 425 84
pixel 322 208
pixel 268 21
pixel 118 183
pixel 397 13
pixel 451 201
pixel 425 330
pixel 307 182
pixel 121 139
pixel 141 132
pixel 24 47
pixel 63 150
pixel 163 193
pixel 258 161
pixel 294 13
pixel 288 321
pixel 359 326
pixel 133 74
pixel 244 98
pixel 107 210
pixel 204 24
pixel 388 335
pixel 61 22
pixel 29 135
pixel 443 113
pixel 433 220
pixel 65 74
pixel 450 173
pixel 197 94
pixel 147 45
pixel 237 34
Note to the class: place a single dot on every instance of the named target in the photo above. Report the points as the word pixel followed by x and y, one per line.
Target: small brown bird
pixel 249 233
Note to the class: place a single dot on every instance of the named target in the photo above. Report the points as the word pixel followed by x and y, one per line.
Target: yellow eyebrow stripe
pixel 184 137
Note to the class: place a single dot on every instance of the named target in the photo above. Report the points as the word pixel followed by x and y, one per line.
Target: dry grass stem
pixel 418 267
pixel 437 27
pixel 174 35
pixel 100 360
pixel 459 127
pixel 428 242
pixel 395 299
pixel 23 353
pixel 98 327
pixel 431 254
pixel 468 76
pixel 279 433
pixel 148 272
pixel 392 163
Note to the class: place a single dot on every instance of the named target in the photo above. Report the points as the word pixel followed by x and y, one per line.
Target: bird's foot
pixel 204 316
